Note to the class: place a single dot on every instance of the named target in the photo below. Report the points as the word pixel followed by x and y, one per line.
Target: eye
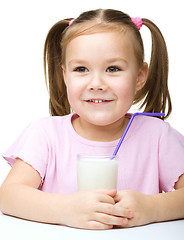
pixel 80 69
pixel 113 69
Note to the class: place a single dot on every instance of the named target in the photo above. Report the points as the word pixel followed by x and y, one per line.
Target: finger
pixel 117 198
pixel 104 198
pixel 95 225
pixel 122 212
pixel 114 210
pixel 105 208
pixel 109 219
pixel 125 223
pixel 110 192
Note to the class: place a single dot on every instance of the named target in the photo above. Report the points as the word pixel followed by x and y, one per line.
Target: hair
pixel 154 96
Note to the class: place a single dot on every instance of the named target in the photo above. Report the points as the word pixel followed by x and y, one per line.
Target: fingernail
pixel 125 221
pixel 130 215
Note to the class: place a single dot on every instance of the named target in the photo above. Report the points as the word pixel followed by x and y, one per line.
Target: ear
pixel 142 76
pixel 64 71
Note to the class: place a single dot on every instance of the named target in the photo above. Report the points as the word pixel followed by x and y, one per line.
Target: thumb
pixel 111 192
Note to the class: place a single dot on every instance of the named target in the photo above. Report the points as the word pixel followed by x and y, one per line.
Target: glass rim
pixel 83 157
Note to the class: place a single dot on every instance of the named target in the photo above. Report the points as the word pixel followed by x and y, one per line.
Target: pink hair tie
pixel 71 21
pixel 137 21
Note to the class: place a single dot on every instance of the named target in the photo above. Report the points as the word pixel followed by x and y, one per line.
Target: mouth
pixel 98 100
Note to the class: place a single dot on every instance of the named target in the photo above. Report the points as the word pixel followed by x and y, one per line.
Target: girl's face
pixel 101 76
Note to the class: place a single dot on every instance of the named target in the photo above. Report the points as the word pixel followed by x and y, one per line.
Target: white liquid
pixel 97 173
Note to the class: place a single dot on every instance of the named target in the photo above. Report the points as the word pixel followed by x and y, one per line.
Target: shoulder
pixel 49 126
pixel 158 128
pixel 151 124
pixel 51 121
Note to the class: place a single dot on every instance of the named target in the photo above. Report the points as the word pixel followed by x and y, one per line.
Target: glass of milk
pixel 96 172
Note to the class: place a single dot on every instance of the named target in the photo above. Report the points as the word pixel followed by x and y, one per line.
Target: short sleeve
pixel 31 147
pixel 171 158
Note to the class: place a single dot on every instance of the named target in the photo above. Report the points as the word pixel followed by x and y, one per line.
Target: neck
pixel 106 133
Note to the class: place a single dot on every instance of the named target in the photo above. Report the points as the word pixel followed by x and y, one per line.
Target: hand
pixel 91 210
pixel 139 206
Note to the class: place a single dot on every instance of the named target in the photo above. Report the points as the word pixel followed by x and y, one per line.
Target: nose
pixel 97 83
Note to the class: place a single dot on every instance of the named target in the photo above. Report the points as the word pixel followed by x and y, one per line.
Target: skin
pixel 98 69
pixel 95 68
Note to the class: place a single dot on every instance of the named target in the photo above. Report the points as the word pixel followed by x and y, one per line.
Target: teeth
pixel 97 101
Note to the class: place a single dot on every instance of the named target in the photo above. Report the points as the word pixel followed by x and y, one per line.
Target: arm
pixel 151 208
pixel 20 197
pixel 170 205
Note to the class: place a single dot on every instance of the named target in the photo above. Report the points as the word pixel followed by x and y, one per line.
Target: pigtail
pixel 58 102
pixel 155 92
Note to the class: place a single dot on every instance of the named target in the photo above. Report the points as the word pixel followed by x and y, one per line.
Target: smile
pixel 98 100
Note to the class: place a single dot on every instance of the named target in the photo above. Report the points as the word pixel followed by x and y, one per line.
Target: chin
pixel 102 121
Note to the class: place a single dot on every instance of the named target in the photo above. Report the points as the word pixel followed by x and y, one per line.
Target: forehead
pixel 105 44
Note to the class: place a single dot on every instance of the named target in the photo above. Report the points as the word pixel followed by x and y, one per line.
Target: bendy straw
pixel 128 126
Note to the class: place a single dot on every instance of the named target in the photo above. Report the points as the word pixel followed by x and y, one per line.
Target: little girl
pixel 95 66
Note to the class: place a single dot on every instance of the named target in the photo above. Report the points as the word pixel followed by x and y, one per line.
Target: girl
pixel 96 67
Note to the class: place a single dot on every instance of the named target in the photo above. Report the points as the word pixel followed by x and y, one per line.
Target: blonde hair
pixel 154 95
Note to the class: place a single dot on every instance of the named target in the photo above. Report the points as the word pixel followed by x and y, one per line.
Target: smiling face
pixel 101 76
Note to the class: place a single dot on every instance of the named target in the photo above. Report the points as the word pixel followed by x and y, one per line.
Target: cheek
pixel 71 95
pixel 73 92
pixel 72 98
pixel 126 90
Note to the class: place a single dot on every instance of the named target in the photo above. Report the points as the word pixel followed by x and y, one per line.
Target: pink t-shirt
pixel 151 158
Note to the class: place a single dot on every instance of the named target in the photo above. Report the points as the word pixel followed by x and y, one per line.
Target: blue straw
pixel 128 126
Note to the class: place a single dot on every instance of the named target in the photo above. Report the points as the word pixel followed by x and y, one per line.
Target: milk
pixel 94 172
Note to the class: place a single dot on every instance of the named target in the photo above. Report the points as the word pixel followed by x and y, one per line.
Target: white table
pixel 14 228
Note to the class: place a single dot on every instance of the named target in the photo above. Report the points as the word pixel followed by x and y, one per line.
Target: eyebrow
pixel 77 61
pixel 117 59
pixel 108 60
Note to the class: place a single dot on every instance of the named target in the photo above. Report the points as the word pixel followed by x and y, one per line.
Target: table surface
pixel 15 228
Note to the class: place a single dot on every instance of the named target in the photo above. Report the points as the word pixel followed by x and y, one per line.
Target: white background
pixel 23 28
